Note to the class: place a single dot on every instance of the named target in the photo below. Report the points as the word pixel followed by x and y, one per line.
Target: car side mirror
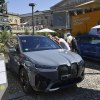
pixel 12 50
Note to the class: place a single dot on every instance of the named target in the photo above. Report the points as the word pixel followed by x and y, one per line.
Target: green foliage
pixel 3 48
pixel 43 33
pixel 60 33
pixel 4 38
pixel 27 32
pixel 13 41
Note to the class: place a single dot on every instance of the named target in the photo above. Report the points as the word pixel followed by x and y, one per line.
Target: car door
pixel 92 47
pixel 97 42
pixel 83 44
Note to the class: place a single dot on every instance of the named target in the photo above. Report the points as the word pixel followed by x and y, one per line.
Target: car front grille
pixel 74 70
pixel 65 72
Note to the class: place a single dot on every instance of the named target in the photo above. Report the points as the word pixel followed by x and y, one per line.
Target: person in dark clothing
pixel 72 43
pixel 75 46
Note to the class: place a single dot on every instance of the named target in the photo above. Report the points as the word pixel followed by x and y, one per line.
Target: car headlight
pixel 28 64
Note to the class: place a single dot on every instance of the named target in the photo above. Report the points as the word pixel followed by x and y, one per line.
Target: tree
pixel 27 32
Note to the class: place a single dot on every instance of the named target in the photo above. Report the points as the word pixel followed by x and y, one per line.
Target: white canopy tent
pixel 45 30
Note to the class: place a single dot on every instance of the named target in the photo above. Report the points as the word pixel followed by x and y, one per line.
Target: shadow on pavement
pixel 66 94
pixel 71 93
pixel 92 64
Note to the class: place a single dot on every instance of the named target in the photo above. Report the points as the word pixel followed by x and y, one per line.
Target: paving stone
pixel 88 89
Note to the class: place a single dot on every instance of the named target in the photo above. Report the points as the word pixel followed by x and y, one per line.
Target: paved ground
pixel 89 89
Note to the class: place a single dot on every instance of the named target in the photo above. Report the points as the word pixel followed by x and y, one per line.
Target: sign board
pixel 59 19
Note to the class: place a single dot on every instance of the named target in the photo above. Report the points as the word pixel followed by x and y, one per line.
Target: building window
pixel 42 22
pixel 37 22
pixel 16 21
pixel 10 20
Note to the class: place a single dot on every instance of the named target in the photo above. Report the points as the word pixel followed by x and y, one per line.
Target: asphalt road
pixel 88 89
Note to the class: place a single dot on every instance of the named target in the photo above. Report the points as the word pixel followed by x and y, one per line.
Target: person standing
pixel 72 43
pixel 68 31
pixel 62 43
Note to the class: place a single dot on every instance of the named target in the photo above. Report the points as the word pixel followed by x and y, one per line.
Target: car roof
pixel 98 26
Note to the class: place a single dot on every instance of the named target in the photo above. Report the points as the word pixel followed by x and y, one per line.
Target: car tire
pixel 24 80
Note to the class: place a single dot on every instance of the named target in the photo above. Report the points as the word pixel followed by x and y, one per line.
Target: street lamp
pixel 32 5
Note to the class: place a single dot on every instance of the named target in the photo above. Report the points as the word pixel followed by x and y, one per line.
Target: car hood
pixel 53 57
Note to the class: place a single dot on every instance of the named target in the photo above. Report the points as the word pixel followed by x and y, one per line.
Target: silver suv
pixel 43 65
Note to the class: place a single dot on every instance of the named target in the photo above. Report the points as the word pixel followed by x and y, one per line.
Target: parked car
pixel 95 30
pixel 43 65
pixel 89 46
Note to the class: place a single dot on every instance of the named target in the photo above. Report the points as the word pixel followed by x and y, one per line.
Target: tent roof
pixel 90 4
pixel 45 30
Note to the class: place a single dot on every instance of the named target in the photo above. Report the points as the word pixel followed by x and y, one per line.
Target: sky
pixel 22 6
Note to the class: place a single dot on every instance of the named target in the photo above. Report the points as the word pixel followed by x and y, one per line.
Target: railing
pixel 21 29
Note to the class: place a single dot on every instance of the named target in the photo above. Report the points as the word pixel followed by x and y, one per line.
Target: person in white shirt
pixel 72 43
pixel 62 43
pixel 69 38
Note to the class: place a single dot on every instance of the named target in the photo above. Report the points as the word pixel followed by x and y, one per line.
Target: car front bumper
pixel 49 80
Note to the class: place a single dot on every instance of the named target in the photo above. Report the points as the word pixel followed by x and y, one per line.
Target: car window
pixel 95 40
pixel 85 40
pixel 98 30
pixel 33 43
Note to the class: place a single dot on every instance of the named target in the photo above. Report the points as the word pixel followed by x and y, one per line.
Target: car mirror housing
pixel 28 64
pixel 12 50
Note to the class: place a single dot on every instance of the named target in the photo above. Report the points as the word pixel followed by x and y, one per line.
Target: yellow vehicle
pixel 82 23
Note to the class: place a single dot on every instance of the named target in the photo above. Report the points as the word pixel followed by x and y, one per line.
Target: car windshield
pixel 37 43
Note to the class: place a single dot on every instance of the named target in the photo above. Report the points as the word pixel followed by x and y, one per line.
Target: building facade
pixel 3 15
pixel 59 17
pixel 64 10
pixel 42 19
pixel 14 22
pixel 14 19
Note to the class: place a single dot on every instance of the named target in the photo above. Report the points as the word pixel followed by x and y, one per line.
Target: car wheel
pixel 24 80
